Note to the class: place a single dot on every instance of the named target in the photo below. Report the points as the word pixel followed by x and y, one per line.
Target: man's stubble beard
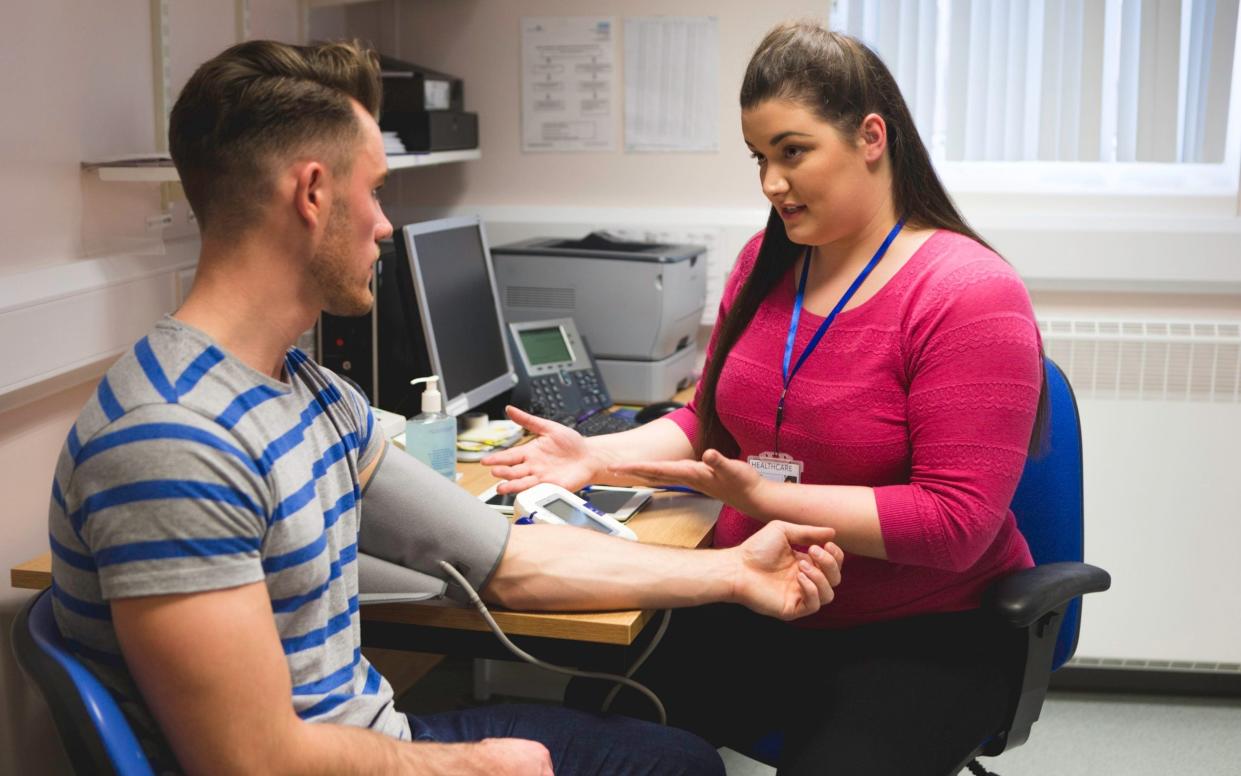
pixel 331 268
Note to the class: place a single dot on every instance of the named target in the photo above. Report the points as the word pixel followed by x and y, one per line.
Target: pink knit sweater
pixel 925 392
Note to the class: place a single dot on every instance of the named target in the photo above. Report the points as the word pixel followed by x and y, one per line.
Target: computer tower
pixel 385 349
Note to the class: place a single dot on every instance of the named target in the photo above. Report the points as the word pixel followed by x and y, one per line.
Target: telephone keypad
pixel 549 393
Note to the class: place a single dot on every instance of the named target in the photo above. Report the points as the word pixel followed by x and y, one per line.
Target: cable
pixel 633 669
pixel 976 768
pixel 531 659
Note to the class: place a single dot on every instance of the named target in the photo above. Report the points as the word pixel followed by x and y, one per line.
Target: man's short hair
pixel 260 102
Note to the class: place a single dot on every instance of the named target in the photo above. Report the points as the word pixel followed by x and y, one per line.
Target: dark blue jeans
pixel 581 743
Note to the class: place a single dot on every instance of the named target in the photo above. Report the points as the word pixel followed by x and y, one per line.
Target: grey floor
pixel 1106 735
pixel 1078 733
pixel 1132 735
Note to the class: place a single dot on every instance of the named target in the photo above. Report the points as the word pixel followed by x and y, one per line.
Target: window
pixel 1128 96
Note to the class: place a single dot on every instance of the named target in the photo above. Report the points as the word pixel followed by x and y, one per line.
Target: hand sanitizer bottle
pixel 431 436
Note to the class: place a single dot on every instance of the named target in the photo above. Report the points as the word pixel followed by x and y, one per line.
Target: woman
pixel 875 368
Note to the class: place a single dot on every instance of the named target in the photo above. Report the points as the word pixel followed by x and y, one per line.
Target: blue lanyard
pixel 818 335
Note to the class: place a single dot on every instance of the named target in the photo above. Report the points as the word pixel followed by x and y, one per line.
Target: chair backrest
pixel 95 732
pixel 1048 503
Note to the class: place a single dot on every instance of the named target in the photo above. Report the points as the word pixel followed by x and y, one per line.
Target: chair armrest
pixel 1022 597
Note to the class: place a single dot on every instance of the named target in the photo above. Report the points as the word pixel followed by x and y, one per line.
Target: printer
pixel 423 110
pixel 637 304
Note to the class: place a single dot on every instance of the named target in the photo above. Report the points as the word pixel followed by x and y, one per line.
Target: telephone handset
pixel 557 375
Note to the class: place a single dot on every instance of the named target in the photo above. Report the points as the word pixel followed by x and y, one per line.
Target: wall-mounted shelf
pixel 139 173
pixel 403 161
pixel 156 173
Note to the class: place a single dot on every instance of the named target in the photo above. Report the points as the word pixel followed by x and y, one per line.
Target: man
pixel 208 506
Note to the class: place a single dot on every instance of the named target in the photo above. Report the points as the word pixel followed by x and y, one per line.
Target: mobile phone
pixel 619 502
pixel 501 502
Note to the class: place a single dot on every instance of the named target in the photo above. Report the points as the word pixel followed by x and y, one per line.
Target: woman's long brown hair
pixel 842 81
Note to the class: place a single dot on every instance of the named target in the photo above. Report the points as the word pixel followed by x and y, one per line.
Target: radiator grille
pixel 1192 666
pixel 533 296
pixel 1160 410
pixel 1148 360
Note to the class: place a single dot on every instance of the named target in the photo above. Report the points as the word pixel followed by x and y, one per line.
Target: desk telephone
pixel 558 377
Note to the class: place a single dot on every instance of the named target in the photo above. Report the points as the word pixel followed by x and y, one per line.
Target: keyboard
pixel 604 423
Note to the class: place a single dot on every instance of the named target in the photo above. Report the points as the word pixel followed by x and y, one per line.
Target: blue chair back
pixel 1049 504
pixel 95 732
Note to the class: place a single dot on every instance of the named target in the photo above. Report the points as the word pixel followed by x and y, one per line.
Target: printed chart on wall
pixel 568 83
pixel 672 78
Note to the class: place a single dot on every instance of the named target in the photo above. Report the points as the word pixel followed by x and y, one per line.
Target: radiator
pixel 1160 403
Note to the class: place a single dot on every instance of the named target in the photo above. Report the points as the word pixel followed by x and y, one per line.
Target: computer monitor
pixel 451 275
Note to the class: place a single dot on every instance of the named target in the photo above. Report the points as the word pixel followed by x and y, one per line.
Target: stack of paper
pixel 393 144
pixel 496 435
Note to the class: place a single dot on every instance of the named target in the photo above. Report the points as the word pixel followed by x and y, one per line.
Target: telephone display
pixel 546 345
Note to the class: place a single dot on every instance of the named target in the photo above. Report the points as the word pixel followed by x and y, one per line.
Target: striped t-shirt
pixel 190 471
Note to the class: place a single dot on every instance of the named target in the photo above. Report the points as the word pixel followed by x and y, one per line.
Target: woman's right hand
pixel 559 455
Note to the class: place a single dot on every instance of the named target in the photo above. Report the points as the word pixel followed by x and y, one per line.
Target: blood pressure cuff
pixel 412 518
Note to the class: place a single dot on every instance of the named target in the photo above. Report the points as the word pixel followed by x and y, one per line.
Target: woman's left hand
pixel 734 482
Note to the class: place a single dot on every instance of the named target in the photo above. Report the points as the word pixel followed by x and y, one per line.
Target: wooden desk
pixel 34 574
pixel 672 519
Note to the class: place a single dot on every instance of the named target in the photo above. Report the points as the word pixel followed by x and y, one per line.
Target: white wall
pixel 479 40
pixel 1062 241
pixel 76 82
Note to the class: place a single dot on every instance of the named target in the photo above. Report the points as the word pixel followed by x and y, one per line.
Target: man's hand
pixel 560 455
pixel 510 757
pixel 734 482
pixel 777 579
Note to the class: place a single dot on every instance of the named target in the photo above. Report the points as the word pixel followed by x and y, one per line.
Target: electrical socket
pixel 158 221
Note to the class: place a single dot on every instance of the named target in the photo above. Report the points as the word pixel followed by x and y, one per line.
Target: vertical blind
pixel 1058 80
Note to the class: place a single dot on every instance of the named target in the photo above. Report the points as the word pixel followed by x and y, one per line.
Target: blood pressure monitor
pixel 548 503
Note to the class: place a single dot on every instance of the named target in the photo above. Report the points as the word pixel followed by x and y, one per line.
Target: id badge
pixel 777 467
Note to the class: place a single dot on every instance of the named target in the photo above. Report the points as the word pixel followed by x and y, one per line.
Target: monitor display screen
pixel 572 515
pixel 545 346
pixel 460 313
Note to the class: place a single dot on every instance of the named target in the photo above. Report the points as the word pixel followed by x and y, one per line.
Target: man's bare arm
pixel 211 669
pixel 565 568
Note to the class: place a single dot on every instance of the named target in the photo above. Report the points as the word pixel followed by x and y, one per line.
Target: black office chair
pixel 1045 601
pixel 96 734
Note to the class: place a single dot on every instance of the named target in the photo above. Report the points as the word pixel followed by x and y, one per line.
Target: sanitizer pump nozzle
pixel 431 400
